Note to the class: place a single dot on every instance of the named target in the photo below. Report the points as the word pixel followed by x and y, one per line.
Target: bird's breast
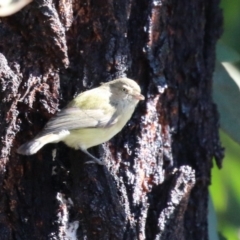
pixel 88 137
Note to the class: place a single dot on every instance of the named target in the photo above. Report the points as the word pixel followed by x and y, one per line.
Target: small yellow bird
pixel 90 119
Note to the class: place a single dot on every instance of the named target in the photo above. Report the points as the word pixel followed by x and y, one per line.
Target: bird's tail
pixel 36 144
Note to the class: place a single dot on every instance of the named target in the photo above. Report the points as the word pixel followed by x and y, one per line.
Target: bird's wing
pixel 74 118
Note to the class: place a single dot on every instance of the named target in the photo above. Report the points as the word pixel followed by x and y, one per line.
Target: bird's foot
pixel 95 161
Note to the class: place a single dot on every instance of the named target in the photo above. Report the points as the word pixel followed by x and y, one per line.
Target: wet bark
pixel 155 182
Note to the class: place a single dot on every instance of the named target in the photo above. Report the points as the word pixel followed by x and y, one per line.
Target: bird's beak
pixel 139 96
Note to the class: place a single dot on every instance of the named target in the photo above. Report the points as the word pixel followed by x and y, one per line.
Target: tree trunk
pixel 155 182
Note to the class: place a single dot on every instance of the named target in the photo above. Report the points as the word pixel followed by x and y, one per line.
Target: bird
pixel 90 119
pixel 9 7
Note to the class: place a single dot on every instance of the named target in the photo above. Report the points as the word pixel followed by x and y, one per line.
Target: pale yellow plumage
pixel 9 7
pixel 90 119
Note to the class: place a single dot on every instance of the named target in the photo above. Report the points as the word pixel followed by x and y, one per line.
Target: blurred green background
pixel 225 188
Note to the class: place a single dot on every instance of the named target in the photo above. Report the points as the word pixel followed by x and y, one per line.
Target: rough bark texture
pixel 155 184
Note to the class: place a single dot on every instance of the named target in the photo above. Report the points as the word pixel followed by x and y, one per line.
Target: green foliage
pixel 231 35
pixel 227 96
pixel 225 188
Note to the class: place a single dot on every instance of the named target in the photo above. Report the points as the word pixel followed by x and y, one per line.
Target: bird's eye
pixel 124 90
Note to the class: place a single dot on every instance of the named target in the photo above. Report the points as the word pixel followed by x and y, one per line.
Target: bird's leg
pixel 95 160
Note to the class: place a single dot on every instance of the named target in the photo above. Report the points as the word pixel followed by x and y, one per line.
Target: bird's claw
pixel 95 161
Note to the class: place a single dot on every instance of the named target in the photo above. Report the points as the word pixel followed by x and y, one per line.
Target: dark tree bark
pixel 155 184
